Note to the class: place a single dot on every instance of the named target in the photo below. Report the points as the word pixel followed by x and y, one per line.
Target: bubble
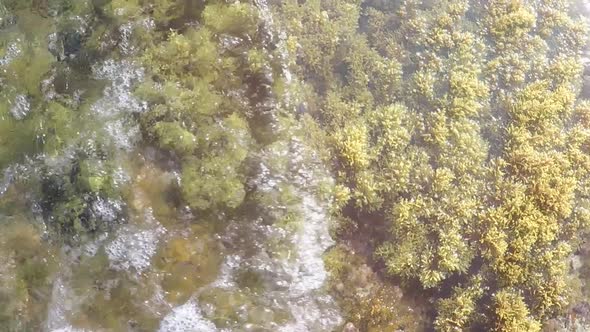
pixel 186 318
pixel 133 247
pixel 12 52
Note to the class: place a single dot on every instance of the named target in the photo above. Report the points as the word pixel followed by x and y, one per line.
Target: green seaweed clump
pixel 199 111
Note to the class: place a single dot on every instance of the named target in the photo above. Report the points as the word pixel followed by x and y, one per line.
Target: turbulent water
pixel 157 268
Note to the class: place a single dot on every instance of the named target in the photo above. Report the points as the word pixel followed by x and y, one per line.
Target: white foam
pixel 186 318
pixel 63 302
pixel 225 279
pixel 10 173
pixel 125 44
pixel 120 176
pixel 311 242
pixel 118 101
pixel 20 107
pixel 12 52
pixel 122 74
pixel 281 37
pixel 68 328
pixel 133 249
pixel 123 135
pixel 118 97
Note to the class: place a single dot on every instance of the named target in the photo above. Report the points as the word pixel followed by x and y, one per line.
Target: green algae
pixel 118 305
pixel 187 264
pixel 193 120
pixel 250 313
pixel 239 19
pixel 28 269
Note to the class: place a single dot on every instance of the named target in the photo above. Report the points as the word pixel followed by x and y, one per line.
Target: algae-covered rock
pixel 119 307
pixel 187 264
pixel 28 67
pixel 26 275
pixel 58 127
pixel 237 308
pixel 17 138
pixel 82 200
pixel 172 136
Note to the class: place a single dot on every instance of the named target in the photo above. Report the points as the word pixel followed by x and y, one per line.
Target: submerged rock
pixel 274 272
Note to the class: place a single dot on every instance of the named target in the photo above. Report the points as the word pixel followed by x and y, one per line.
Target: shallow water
pixel 151 265
pixel 96 231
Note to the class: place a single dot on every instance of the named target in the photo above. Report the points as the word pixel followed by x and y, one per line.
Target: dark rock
pixel 582 309
pixel 6 18
pixel 72 42
pixel 65 44
pixel 55 45
pixel 301 109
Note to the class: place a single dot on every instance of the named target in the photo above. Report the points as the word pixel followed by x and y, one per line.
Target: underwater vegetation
pixel 455 129
pixel 204 101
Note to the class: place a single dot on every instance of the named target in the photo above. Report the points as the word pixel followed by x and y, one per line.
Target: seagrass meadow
pixel 294 165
